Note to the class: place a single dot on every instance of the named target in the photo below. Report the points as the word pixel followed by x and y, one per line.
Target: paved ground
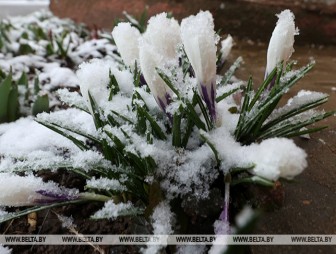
pixel 14 8
pixel 309 202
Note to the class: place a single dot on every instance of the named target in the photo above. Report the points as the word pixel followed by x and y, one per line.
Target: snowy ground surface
pixel 21 7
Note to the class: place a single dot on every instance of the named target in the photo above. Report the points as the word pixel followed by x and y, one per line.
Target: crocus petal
pixel 126 38
pixel 280 47
pixel 158 50
pixel 149 60
pixel 30 190
pixel 199 40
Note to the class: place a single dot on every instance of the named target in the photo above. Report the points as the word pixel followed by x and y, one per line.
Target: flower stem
pixel 224 216
pixel 95 197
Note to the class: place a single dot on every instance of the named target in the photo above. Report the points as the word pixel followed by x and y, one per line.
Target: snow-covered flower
pixel 158 50
pixel 94 77
pixel 126 38
pixel 30 190
pixel 199 40
pixel 280 47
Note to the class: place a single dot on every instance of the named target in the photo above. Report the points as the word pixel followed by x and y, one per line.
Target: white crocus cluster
pixel 199 40
pixel 126 38
pixel 158 49
pixel 30 190
pixel 280 47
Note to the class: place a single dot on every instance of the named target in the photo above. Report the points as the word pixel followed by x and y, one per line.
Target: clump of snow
pixel 194 249
pixel 105 184
pixel 94 78
pixel 67 222
pixel 81 121
pixel 5 250
pixel 23 190
pixel 26 136
pixel 302 98
pixel 112 210
pixel 72 99
pixel 244 217
pixel 273 158
pixel 162 222
pixel 56 77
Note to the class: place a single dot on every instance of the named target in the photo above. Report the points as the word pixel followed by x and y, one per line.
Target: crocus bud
pixel 30 190
pixel 280 47
pixel 126 38
pixel 199 40
pixel 226 46
pixel 158 50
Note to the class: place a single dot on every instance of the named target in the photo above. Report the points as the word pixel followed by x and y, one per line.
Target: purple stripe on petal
pixel 52 197
pixel 209 100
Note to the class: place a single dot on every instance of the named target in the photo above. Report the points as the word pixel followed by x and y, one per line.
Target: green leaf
pixel 228 75
pixel 77 142
pixel 41 104
pixel 227 94
pixel 23 80
pixel 19 214
pixel 157 131
pixel 177 128
pixel 113 85
pixel 37 88
pixel 13 111
pixel 96 112
pixel 25 49
pixel 212 147
pixel 5 88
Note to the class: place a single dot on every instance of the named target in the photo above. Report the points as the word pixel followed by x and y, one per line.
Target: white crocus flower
pixel 158 50
pixel 280 47
pixel 126 38
pixel 30 190
pixel 199 40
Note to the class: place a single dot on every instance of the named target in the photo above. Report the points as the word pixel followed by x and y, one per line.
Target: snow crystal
pixel 22 190
pixel 72 99
pixel 112 210
pixel 105 184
